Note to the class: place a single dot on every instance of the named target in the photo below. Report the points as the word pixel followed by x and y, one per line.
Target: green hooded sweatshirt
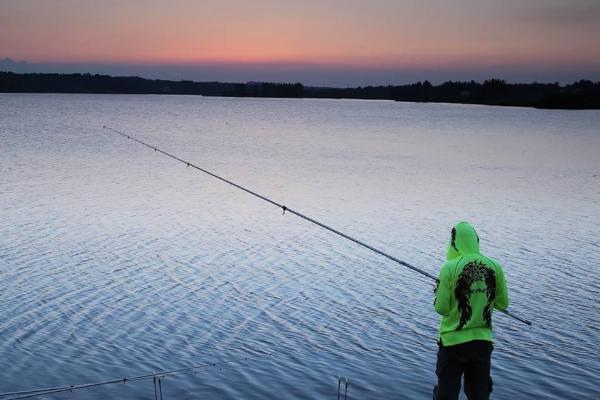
pixel 470 286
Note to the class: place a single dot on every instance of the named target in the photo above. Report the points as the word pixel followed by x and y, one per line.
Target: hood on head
pixel 463 240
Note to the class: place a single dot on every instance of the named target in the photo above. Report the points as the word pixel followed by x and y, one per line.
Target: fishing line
pixel 285 209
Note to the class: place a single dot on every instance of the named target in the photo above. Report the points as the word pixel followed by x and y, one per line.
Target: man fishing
pixel 470 286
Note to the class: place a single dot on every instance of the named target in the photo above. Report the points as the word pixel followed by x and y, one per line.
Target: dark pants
pixel 471 359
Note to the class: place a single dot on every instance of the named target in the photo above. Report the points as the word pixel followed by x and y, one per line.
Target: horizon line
pixel 422 82
pixel 313 73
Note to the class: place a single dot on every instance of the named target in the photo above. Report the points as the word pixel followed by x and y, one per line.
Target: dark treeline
pixel 579 95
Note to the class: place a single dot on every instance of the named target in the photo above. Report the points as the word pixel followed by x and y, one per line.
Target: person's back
pixel 470 286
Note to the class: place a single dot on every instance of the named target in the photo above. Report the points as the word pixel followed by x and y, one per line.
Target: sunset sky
pixel 337 42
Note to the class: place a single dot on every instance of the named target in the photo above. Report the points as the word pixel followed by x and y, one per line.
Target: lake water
pixel 117 261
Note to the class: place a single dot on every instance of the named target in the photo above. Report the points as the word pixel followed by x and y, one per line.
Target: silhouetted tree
pixel 580 94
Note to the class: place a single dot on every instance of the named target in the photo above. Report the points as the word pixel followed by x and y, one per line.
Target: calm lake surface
pixel 116 261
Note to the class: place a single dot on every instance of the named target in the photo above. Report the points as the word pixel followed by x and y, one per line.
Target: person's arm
pixel 443 293
pixel 501 300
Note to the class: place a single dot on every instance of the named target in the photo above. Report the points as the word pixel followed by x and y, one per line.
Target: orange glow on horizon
pixel 382 34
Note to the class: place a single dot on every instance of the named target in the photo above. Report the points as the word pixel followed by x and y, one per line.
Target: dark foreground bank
pixel 579 95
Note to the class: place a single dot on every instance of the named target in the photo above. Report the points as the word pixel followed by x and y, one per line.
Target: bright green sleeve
pixel 501 300
pixel 443 292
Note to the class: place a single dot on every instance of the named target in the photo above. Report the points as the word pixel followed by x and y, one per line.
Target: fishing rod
pixel 26 394
pixel 285 209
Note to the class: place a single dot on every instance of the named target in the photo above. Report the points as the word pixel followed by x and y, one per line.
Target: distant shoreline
pixel 577 96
